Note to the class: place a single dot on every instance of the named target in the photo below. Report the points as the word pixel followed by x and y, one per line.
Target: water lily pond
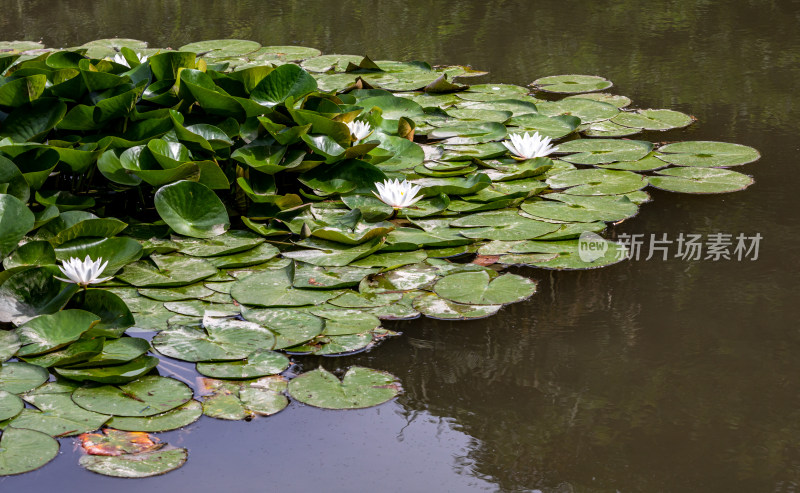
pixel 226 235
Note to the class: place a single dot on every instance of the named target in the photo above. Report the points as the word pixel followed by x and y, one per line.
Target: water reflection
pixel 645 376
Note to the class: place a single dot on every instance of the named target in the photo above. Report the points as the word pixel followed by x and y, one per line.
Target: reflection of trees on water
pixel 707 51
pixel 575 387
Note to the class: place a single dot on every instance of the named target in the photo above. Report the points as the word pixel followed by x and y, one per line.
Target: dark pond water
pixel 648 376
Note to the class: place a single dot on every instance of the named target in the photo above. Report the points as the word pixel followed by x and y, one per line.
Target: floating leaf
pixel 571 84
pixel 48 332
pixel 146 396
pixel 707 154
pixel 597 182
pixel 116 374
pixel 141 465
pixel 477 288
pixel 600 151
pixel 10 405
pixel 433 306
pixel 220 340
pixel 258 364
pixel 179 417
pixel 57 415
pixel 700 180
pixel 18 377
pixel 361 387
pixel 25 450
pixel 115 442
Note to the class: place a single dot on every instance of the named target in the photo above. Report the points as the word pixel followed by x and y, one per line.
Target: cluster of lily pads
pixel 227 191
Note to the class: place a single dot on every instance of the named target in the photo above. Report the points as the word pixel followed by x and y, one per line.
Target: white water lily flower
pixel 83 272
pixel 529 146
pixel 359 130
pixel 397 194
pixel 118 58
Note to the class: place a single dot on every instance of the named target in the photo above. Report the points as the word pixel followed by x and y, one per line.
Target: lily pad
pixel 146 396
pixel 192 209
pixel 18 377
pixel 653 119
pixel 48 332
pixel 58 416
pixel 433 306
pixel 222 340
pixel 142 465
pixel 597 182
pixel 477 288
pixel 700 180
pixel 258 364
pixel 274 289
pixel 179 417
pixel 571 84
pixel 702 154
pixel 10 405
pixel 361 387
pixel 25 450
pixel 116 374
pixel 600 151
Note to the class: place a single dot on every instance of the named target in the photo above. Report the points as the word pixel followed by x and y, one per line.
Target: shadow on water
pixel 645 376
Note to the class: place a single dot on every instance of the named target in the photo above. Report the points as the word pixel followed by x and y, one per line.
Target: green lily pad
pixel 433 306
pixel 597 182
pixel 146 396
pixel 331 254
pixel 58 416
pixel 574 208
pixel 15 221
pixel 241 400
pixel 477 288
pixel 169 271
pixel 9 344
pixel 571 84
pixel 607 128
pixel 291 327
pixel 116 352
pixel 700 180
pixel 589 111
pixel 141 465
pixel 18 377
pixel 274 289
pixel 190 292
pixel 653 119
pixel 253 256
pixel 179 417
pixel 469 133
pixel 25 450
pixel 116 374
pixel 502 225
pixel 225 244
pixel 361 387
pixel 601 151
pixel 76 352
pixel 10 405
pixel 702 154
pixel 48 332
pixel 220 340
pixel 258 364
pixel 604 97
pixel 221 48
pixel 554 127
pixel 316 277
pixel 192 209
